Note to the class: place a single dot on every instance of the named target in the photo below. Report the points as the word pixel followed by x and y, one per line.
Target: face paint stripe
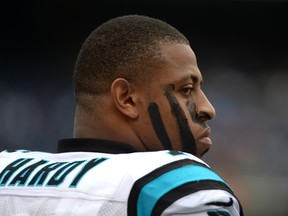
pixel 159 126
pixel 187 139
pixel 191 108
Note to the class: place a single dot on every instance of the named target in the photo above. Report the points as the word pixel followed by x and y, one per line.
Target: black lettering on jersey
pixel 90 164
pixel 21 178
pixel 60 175
pixel 41 171
pixel 11 169
pixel 42 174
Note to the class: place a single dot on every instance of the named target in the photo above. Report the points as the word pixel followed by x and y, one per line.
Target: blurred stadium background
pixel 242 50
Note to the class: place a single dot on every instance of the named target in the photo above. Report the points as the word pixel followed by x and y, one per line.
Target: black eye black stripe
pixel 191 108
pixel 187 139
pixel 159 126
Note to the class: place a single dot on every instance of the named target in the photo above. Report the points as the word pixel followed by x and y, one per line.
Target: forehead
pixel 177 62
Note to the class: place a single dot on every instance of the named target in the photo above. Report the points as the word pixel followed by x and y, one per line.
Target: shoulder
pixel 181 184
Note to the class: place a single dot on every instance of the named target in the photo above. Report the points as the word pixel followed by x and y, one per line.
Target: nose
pixel 204 108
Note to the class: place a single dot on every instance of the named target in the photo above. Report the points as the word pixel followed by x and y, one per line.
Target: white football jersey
pixel 141 183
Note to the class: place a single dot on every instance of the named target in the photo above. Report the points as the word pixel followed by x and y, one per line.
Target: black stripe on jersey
pixel 140 183
pixel 186 189
pixel 218 213
pixel 227 204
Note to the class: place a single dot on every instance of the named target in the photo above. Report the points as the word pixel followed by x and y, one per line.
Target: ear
pixel 122 93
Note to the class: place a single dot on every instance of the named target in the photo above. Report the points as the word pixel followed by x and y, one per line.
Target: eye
pixel 187 90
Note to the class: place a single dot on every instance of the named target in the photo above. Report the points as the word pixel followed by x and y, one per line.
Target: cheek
pixel 169 120
pixel 188 115
pixel 191 107
pixel 164 125
pixel 195 125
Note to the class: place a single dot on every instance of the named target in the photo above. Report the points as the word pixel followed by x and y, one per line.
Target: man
pixel 140 131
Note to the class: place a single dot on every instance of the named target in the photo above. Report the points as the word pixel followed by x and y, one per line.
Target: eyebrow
pixel 196 79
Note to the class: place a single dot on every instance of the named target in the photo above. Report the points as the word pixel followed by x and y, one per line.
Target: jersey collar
pixel 93 145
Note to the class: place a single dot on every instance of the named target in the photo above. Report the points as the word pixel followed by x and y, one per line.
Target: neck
pixel 94 125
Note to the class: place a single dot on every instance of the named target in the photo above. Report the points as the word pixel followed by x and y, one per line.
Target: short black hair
pixel 121 47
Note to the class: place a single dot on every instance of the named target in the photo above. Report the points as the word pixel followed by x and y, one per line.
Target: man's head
pixel 137 81
pixel 122 47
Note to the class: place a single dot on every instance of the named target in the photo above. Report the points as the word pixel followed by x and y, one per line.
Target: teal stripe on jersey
pixel 155 189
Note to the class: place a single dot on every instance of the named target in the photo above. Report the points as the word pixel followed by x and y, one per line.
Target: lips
pixel 205 139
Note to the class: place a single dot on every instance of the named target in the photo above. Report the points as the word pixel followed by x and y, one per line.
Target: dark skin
pixel 173 96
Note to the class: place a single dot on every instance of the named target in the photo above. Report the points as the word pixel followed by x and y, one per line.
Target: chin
pixel 203 153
